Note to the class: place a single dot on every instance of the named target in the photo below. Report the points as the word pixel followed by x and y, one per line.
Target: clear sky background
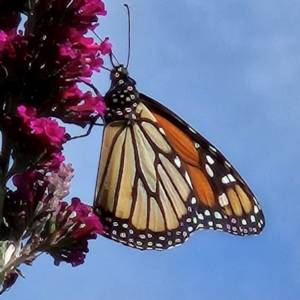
pixel 231 69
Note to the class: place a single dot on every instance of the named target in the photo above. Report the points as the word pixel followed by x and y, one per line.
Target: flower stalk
pixel 42 69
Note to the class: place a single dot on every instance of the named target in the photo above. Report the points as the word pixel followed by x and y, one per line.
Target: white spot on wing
pixel 200 216
pixel 177 162
pixel 223 200
pixel 227 164
pixel 231 178
pixel 210 159
pixel 188 179
pixel 225 180
pixel 209 170
pixel 211 148
pixel 162 131
pixel 192 130
pixel 218 215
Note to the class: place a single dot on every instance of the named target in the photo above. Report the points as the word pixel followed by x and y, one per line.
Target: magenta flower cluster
pixel 42 69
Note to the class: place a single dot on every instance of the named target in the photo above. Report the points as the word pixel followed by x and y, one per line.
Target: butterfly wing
pixel 143 194
pixel 224 199
pixel 159 181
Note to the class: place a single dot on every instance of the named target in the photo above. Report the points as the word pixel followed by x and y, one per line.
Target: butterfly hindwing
pixel 146 198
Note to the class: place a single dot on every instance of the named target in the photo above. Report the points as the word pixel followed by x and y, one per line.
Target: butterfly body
pixel 122 98
pixel 159 180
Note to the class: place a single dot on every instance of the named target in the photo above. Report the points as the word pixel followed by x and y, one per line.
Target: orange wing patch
pixel 185 148
pixel 181 143
pixel 202 187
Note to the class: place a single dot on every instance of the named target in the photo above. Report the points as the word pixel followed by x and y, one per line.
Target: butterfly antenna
pixel 129 34
pixel 107 69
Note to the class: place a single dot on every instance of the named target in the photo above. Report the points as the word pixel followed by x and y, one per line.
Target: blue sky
pixel 231 69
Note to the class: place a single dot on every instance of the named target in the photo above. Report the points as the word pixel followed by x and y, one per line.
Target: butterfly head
pixel 119 75
pixel 118 72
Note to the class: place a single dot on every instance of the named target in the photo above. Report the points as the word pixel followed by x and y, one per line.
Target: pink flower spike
pixel 67 50
pixel 27 113
pixel 106 47
pixel 55 162
pixel 49 129
pixel 60 181
pixel 72 91
pixel 90 223
pixel 75 225
pixel 87 223
pixel 24 183
pixel 91 104
pixel 3 37
pixel 92 6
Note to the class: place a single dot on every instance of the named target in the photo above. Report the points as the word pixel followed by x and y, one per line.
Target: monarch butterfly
pixel 159 180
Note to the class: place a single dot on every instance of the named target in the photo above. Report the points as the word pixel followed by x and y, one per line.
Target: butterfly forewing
pixel 159 180
pixel 224 197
